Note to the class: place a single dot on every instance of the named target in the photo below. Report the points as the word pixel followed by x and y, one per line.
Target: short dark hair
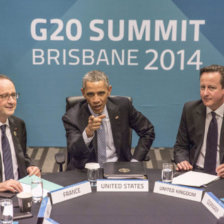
pixel 95 76
pixel 214 68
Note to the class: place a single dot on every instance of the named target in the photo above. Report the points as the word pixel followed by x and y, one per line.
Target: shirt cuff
pixel 134 160
pixel 86 139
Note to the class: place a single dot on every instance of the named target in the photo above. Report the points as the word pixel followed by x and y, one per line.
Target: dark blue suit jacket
pixel 191 133
pixel 122 116
pixel 18 131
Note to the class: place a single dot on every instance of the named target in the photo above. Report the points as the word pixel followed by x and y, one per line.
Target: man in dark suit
pixel 13 140
pixel 84 121
pixel 192 149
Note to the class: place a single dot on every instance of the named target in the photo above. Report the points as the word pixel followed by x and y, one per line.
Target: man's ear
pixel 83 92
pixel 109 89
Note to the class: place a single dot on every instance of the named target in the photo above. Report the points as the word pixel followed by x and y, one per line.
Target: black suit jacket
pixel 191 133
pixel 18 131
pixel 122 116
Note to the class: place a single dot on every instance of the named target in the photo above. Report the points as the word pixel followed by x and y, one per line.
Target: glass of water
pixel 6 211
pixel 92 173
pixel 167 172
pixel 37 189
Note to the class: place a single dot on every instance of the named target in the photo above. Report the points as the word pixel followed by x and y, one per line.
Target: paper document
pixel 47 185
pixel 27 188
pixel 194 179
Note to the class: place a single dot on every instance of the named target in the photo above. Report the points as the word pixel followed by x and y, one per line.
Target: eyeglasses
pixel 6 96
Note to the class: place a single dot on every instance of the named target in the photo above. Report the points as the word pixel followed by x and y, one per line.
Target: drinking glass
pixel 167 172
pixel 37 190
pixel 6 211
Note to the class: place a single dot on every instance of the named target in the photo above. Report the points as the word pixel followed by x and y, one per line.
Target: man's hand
pixel 33 170
pixel 184 165
pixel 94 124
pixel 11 185
pixel 220 170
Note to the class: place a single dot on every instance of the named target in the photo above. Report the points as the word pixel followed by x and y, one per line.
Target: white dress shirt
pixel 14 160
pixel 111 155
pixel 219 117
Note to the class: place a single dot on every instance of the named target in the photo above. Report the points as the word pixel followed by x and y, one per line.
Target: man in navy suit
pixel 15 131
pixel 116 114
pixel 191 142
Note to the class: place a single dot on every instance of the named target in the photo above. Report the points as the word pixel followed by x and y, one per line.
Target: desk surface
pixel 99 207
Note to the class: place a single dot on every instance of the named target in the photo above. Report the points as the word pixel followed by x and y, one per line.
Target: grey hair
pixel 95 76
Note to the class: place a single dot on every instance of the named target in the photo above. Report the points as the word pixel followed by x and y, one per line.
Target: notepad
pixel 194 179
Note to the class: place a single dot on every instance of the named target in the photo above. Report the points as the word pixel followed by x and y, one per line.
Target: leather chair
pixel 71 101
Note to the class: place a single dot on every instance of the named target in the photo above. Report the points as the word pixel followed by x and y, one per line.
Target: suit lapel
pixel 14 133
pixel 17 146
pixel 84 115
pixel 0 167
pixel 114 115
pixel 13 130
pixel 200 116
pixel 221 147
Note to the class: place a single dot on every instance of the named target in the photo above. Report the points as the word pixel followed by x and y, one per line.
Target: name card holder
pixel 213 204
pixel 49 221
pixel 44 211
pixel 178 191
pixel 70 192
pixel 123 185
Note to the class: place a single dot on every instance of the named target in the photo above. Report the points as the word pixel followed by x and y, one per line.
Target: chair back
pixel 72 100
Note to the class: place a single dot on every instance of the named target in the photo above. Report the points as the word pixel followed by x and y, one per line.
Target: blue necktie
pixel 7 157
pixel 101 144
pixel 211 146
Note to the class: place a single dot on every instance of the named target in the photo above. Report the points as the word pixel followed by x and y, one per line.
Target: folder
pixel 124 170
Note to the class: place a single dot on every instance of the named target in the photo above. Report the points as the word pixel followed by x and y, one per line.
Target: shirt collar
pixel 219 111
pixel 7 123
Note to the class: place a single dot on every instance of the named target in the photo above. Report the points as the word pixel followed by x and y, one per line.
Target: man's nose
pixel 206 91
pixel 96 98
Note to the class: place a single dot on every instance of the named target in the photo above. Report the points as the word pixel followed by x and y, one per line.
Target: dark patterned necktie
pixel 101 144
pixel 211 146
pixel 7 157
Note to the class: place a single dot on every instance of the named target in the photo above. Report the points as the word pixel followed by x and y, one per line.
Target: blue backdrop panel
pixel 151 50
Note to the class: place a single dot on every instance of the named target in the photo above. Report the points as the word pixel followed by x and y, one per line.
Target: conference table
pixel 126 207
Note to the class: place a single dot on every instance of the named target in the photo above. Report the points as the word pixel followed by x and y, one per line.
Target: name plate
pixel 122 185
pixel 45 210
pixel 184 192
pixel 70 192
pixel 213 204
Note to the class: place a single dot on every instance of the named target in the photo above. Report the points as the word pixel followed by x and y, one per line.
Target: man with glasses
pixel 14 161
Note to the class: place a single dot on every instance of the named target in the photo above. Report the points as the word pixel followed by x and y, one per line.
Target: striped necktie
pixel 7 156
pixel 101 144
pixel 211 146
